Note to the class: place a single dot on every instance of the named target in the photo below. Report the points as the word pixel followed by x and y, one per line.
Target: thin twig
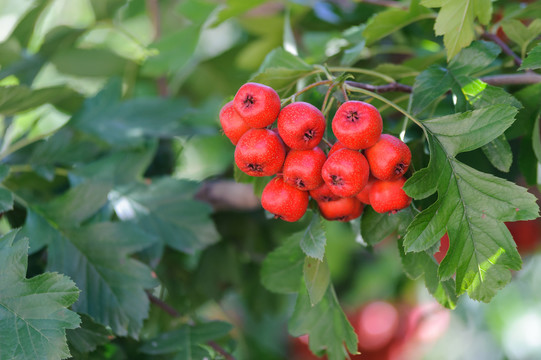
pixel 513 79
pixel 506 49
pixel 163 305
pixel 386 3
pixel 393 87
pixel 174 313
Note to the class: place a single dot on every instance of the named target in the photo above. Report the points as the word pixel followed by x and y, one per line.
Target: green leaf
pixel 24 29
pixel 326 325
pixel 6 200
pixel 499 153
pixel 234 8
pixel 167 208
pixel 186 340
pixel 521 34
pixel 375 227
pixel 17 98
pixel 313 238
pixel 87 337
pixel 388 21
pixel 422 264
pixel 77 204
pixel 96 257
pixel 104 9
pixel 317 278
pixel 533 60
pixel 471 206
pixel 281 70
pixel 90 62
pixel 455 21
pixel 281 271
pixel 126 123
pixel 34 312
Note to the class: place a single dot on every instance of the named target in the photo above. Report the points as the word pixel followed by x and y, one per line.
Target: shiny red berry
pixel 302 168
pixel 389 158
pixel 343 209
pixel 232 124
pixel 260 152
pixel 257 104
pixel 301 125
pixel 346 172
pixel 357 125
pixel 388 196
pixel 323 194
pixel 284 201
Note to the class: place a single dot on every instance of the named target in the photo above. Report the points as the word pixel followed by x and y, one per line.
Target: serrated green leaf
pixel 326 325
pixel 186 340
pixel 533 60
pixel 521 34
pixel 499 153
pixel 317 278
pixel 167 208
pixel 281 271
pixel 422 264
pixel 34 312
pixel 471 208
pixel 96 257
pixel 388 21
pixel 313 238
pixel 455 21
pixel 375 226
pixel 474 58
pixel 87 337
pixel 471 130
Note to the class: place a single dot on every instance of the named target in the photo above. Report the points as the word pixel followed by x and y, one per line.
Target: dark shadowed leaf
pixel 282 268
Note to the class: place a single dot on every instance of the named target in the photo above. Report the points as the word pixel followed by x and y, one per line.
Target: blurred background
pixel 198 53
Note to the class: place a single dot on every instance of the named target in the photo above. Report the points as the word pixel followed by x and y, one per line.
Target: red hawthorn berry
pixel 260 152
pixel 301 125
pixel 343 209
pixel 323 194
pixel 363 196
pixel 337 146
pixel 444 247
pixel 357 125
pixel 346 172
pixel 302 168
pixel 388 195
pixel 284 201
pixel 389 158
pixel 257 104
pixel 232 124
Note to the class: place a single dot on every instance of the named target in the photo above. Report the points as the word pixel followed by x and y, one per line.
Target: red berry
pixel 323 194
pixel 257 104
pixel 363 196
pixel 444 247
pixel 357 125
pixel 232 124
pixel 343 209
pixel 346 172
pixel 301 125
pixel 302 168
pixel 388 195
pixel 260 152
pixel 284 201
pixel 389 158
pixel 337 146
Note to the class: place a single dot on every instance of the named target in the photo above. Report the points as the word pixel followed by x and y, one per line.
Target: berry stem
pixel 327 142
pixel 305 89
pixel 327 94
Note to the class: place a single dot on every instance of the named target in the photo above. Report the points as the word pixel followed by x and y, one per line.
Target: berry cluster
pixel 364 166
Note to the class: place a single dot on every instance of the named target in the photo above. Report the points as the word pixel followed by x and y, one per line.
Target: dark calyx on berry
pixel 337 180
pixel 399 169
pixel 309 135
pixel 353 116
pixel 255 167
pixel 299 183
pixel 249 101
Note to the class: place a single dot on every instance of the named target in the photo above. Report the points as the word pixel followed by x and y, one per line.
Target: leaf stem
pixel 305 89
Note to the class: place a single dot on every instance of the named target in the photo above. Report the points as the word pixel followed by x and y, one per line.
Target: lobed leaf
pixel 34 312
